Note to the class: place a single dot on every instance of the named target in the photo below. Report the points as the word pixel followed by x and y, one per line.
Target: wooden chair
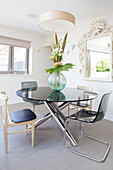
pixel 17 118
pixel 81 105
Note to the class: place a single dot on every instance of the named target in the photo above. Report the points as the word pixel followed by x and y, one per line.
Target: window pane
pixel 4 57
pixel 100 65
pixel 19 59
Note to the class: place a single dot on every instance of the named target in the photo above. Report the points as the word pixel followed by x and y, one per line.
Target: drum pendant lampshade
pixel 59 21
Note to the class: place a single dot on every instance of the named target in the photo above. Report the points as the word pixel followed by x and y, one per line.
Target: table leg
pixel 58 115
pixel 41 120
pixel 55 112
pixel 47 116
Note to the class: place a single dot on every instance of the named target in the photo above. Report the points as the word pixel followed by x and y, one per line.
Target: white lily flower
pixel 60 50
pixel 59 54
pixel 56 49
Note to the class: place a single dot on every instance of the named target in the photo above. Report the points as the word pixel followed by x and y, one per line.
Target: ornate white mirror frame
pixel 99 28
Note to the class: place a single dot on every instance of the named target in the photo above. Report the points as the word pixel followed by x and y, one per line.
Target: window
pixel 4 58
pixel 14 56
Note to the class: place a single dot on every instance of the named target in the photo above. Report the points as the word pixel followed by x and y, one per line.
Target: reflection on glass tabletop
pixel 46 94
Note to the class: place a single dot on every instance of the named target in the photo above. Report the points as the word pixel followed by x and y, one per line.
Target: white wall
pixel 11 83
pixel 74 78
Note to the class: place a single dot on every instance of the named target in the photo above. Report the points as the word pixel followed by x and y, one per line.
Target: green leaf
pixel 42 48
pixel 53 39
pixel 60 68
pixel 68 51
pixel 73 46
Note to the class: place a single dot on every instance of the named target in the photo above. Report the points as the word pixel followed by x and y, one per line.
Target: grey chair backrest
pixel 102 109
pixel 28 84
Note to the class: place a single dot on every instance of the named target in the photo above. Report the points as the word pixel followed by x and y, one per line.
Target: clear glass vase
pixel 57 81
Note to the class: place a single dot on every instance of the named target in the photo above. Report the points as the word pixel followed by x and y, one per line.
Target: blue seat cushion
pixel 22 116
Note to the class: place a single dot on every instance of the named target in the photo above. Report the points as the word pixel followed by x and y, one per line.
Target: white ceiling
pixel 14 13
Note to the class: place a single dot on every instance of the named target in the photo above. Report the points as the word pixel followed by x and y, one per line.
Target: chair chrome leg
pixel 69 148
pixel 33 108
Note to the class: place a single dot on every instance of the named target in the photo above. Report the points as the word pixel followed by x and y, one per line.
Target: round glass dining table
pixel 51 100
pixel 46 94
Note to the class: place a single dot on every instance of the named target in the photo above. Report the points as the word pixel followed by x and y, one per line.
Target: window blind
pixel 15 42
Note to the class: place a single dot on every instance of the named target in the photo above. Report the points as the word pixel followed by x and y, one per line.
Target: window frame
pixel 11 59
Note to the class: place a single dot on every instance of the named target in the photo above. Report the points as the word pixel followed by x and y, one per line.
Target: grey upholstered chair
pixel 31 85
pixel 90 117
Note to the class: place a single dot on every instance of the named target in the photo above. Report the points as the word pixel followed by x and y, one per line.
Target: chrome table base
pixel 55 112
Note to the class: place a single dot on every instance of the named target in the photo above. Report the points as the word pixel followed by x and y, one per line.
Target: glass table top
pixel 46 94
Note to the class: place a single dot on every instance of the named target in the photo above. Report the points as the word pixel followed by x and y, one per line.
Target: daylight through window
pixel 14 56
